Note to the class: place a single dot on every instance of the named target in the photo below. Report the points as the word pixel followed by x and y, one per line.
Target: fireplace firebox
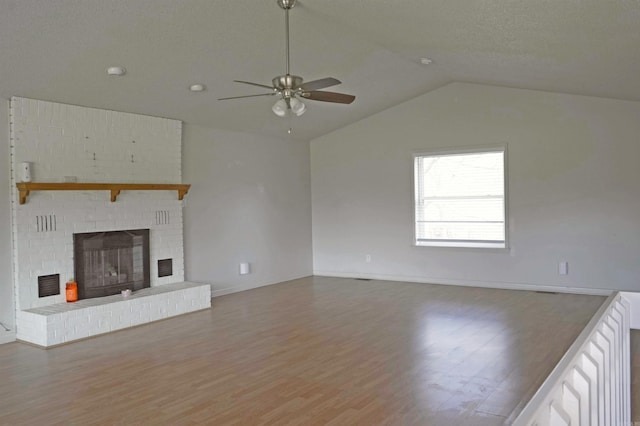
pixel 108 262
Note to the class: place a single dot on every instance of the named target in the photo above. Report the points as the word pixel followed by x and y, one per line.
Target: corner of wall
pixel 7 308
pixel 6 336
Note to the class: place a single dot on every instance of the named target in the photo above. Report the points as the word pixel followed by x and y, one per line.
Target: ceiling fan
pixel 291 88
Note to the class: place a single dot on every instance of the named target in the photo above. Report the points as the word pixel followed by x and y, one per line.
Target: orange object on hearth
pixel 72 290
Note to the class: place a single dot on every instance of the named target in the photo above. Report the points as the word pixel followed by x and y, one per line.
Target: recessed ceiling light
pixel 426 61
pixel 197 87
pixel 117 71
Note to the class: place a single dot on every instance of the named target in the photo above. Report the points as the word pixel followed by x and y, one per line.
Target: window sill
pixel 458 244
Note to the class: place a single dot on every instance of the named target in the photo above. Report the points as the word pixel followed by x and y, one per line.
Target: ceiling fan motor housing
pixel 287 81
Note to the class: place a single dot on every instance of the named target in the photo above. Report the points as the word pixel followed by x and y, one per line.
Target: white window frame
pixel 463 243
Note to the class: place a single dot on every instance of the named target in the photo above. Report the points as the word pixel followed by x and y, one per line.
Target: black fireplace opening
pixel 106 263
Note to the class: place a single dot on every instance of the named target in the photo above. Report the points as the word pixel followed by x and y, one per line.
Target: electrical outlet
pixel 367 258
pixel 563 268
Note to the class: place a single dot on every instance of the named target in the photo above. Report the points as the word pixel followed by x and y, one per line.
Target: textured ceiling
pixel 59 50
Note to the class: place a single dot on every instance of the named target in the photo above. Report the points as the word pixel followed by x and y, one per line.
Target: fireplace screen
pixel 108 262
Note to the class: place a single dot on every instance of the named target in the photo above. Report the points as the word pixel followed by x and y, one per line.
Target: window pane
pixel 460 197
pixel 467 210
pixel 463 174
pixel 461 231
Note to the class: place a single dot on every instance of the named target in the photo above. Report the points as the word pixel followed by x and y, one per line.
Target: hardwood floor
pixel 635 376
pixel 311 351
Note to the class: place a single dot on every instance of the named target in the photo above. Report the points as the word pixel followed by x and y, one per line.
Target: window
pixel 460 199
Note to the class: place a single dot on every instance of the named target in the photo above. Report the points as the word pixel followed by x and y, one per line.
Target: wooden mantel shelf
pixel 26 187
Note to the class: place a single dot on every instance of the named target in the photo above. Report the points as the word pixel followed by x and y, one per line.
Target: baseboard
pixel 7 336
pixel 225 291
pixel 236 289
pixel 470 283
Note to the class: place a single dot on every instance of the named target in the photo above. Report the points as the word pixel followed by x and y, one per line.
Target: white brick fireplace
pixel 67 143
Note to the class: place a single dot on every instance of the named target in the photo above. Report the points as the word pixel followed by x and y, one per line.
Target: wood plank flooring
pixel 318 350
pixel 635 376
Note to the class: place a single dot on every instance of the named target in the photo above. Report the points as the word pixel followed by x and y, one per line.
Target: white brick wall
pixel 94 146
pixel 64 323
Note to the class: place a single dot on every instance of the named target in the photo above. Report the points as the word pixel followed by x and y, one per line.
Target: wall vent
pixel 46 223
pixel 162 217
pixel 165 267
pixel 48 285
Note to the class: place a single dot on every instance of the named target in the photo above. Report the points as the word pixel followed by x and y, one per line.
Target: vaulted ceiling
pixel 59 50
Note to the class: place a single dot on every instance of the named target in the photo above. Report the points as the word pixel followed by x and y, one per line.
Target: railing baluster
pixel 592 384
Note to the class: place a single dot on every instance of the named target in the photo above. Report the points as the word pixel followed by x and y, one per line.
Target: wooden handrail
pixel 26 187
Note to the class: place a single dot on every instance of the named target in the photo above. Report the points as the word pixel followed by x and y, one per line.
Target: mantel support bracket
pixel 182 193
pixel 24 193
pixel 114 195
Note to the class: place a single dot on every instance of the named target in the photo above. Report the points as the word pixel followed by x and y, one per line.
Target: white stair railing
pixel 591 385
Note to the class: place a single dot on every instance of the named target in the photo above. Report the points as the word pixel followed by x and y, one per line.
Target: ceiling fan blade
pixel 246 96
pixel 340 98
pixel 310 86
pixel 254 84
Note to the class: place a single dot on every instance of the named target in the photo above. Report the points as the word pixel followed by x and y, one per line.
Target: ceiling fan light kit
pixel 291 88
pixel 295 107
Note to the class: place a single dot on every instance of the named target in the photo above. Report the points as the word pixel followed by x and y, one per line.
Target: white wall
pixel 249 202
pixel 634 315
pixel 7 314
pixel 573 189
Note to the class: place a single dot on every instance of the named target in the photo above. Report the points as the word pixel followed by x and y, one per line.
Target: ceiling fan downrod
pixel 286 5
